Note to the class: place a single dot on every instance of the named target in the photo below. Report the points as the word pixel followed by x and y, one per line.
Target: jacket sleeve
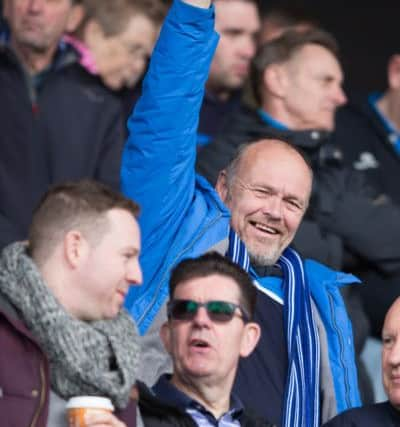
pixel 368 223
pixel 159 155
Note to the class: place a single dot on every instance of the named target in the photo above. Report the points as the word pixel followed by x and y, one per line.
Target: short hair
pixel 114 15
pixel 214 263
pixel 73 205
pixel 283 48
pixel 231 169
pixel 289 15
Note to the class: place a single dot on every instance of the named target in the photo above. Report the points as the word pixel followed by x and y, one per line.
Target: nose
pixel 134 71
pixel 35 5
pixel 247 47
pixel 134 272
pixel 201 318
pixel 339 96
pixel 273 207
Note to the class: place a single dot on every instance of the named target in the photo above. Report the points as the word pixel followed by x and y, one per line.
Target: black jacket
pixel 156 413
pixel 66 127
pixel 378 415
pixel 367 145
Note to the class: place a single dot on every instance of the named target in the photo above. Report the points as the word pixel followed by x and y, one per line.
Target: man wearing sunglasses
pixel 302 371
pixel 209 327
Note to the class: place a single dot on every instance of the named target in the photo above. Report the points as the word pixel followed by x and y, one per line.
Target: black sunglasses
pixel 218 311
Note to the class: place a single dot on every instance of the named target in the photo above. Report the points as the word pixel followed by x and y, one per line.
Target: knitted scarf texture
pixel 86 358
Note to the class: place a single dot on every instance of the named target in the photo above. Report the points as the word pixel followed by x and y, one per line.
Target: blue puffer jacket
pixel 182 215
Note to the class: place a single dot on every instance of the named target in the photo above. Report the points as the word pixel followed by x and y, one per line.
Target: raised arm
pixel 159 155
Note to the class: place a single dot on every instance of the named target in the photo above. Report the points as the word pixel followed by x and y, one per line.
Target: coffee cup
pixel 77 407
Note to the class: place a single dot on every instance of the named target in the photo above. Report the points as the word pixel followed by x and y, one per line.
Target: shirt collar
pixel 167 392
pixel 373 99
pixel 393 134
pixel 271 121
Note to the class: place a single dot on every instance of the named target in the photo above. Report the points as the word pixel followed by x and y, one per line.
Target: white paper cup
pixel 77 407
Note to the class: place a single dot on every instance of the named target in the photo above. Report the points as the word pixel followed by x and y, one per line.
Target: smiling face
pixel 391 354
pixel 237 22
pixel 267 196
pixel 107 268
pixel 204 351
pixel 311 89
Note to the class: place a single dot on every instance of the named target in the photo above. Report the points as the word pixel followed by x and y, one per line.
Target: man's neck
pixel 214 398
pixel 33 62
pixel 389 106
pixel 278 114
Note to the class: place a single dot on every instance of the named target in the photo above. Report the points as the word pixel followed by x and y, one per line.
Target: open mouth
pixel 265 228
pixel 199 343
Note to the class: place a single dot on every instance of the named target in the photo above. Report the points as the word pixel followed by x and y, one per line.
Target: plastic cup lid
pixel 94 402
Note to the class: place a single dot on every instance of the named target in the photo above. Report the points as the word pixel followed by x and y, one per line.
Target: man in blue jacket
pixel 302 371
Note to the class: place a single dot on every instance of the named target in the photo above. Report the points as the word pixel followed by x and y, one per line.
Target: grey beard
pixel 263 260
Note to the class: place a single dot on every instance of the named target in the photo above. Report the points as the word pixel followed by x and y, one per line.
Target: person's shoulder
pixel 315 269
pixel 85 92
pixel 373 415
pixel 76 73
pixel 357 115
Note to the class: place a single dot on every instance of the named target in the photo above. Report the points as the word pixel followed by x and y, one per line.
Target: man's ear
pixel 165 335
pixel 394 72
pixel 222 186
pixel 75 17
pixel 274 80
pixel 75 248
pixel 251 335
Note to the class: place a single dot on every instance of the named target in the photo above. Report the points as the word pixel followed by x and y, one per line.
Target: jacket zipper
pixel 342 348
pixel 42 395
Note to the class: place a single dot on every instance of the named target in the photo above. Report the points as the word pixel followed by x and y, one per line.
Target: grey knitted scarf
pixel 86 358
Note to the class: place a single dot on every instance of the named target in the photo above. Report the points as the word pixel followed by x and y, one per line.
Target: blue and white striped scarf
pixel 301 399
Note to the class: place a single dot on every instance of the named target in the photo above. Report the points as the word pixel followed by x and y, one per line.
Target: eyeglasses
pixel 218 311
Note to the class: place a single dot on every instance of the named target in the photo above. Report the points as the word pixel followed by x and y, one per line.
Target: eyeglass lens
pixel 219 311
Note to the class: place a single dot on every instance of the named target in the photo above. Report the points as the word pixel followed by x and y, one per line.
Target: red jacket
pixel 24 376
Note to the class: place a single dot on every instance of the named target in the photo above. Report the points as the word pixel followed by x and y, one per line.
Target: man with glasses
pixel 209 328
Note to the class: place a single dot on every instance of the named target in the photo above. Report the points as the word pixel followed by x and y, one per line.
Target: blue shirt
pixel 271 121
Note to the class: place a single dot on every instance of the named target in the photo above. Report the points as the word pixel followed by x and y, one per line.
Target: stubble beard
pixel 263 258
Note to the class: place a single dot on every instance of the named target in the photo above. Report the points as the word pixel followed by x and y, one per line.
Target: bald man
pixel 386 413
